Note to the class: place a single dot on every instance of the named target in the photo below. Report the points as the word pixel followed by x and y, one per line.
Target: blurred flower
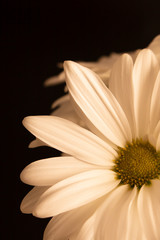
pixel 108 185
pixel 104 64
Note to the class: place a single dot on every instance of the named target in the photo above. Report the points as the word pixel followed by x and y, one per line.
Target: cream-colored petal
pixel 155 47
pixel 97 103
pixel 66 224
pixel 158 138
pixel 144 75
pixel 87 230
pixel 29 201
pixel 149 209
pixel 75 191
pixel 121 85
pixel 52 170
pixel 155 106
pixel 70 138
pixel 116 218
pixel 154 135
pixel 36 143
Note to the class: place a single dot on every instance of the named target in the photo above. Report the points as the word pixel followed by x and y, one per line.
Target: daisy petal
pixel 36 143
pixel 87 230
pixel 52 170
pixel 155 47
pixel 100 107
pixel 144 75
pixel 63 226
pixel 71 138
pixel 121 85
pixel 29 201
pixel 117 213
pixel 155 106
pixel 149 208
pixel 75 191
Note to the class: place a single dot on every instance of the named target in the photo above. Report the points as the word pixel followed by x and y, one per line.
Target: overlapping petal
pixel 98 104
pixel 71 138
pixel 49 171
pixel 155 106
pixel 121 85
pixel 149 208
pixel 145 72
pixel 67 224
pixel 30 200
pixel 75 191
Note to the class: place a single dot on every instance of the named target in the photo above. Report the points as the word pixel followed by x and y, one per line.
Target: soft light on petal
pixel 97 102
pixel 144 75
pixel 71 138
pixel 75 191
pixel 149 209
pixel 116 218
pixel 121 85
pixel 52 170
pixel 29 201
pixel 66 224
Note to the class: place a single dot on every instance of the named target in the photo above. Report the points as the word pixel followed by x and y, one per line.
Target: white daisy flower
pixel 108 186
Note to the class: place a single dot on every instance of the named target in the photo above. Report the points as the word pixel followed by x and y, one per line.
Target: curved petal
pixel 29 201
pixel 37 143
pixel 149 209
pixel 66 224
pixel 97 103
pixel 87 230
pixel 71 138
pixel 155 106
pixel 116 219
pixel 49 171
pixel 155 47
pixel 144 75
pixel 121 85
pixel 75 191
pixel 154 137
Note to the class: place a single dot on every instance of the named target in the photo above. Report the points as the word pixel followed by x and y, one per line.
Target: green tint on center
pixel 137 164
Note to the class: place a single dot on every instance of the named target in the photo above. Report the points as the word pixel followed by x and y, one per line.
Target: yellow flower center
pixel 137 164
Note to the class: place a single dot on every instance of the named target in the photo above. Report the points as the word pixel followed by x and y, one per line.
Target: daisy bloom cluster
pixel 107 187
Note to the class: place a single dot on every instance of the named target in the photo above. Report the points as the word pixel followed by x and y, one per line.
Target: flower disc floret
pixel 137 164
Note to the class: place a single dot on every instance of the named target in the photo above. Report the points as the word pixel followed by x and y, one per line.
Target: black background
pixel 35 36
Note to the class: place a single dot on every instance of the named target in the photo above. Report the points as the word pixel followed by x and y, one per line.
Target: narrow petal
pixel 71 138
pixel 116 219
pixel 98 104
pixel 121 85
pixel 149 209
pixel 29 201
pixel 52 170
pixel 36 143
pixel 66 224
pixel 75 191
pixel 155 106
pixel 144 75
pixel 155 47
